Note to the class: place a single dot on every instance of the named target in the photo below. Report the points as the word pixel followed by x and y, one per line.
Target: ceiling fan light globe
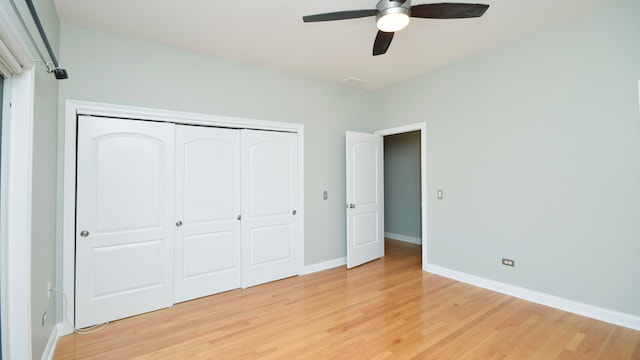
pixel 392 22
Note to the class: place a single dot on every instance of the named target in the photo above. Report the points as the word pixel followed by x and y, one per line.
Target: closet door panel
pixel 271 249
pixel 207 206
pixel 168 213
pixel 124 237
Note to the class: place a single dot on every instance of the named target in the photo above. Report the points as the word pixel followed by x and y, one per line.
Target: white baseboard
pixel 50 349
pixel 64 329
pixel 409 239
pixel 590 311
pixel 325 265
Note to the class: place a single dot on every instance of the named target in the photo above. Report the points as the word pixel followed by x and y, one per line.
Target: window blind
pixel 14 56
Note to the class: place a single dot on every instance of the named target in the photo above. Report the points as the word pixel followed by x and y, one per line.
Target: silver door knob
pixel 84 233
pixel 352 206
pixel 294 212
pixel 239 217
pixel 178 223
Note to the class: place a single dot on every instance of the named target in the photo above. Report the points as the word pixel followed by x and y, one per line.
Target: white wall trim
pixel 301 212
pixel 50 349
pixel 422 127
pixel 594 312
pixel 16 224
pixel 408 239
pixel 401 129
pixel 74 107
pixel 324 265
pixel 180 117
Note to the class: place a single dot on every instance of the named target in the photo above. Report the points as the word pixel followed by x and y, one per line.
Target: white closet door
pixel 207 232
pixel 271 249
pixel 124 224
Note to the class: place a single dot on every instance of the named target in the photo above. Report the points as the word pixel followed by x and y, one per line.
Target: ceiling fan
pixel 392 16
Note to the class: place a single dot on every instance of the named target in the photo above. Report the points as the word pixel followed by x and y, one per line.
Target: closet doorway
pixel 151 266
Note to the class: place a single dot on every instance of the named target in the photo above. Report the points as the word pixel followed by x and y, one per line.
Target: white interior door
pixel 124 232
pixel 365 194
pixel 207 235
pixel 271 249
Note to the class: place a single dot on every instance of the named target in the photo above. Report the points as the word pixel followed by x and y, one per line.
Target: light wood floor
pixel 387 309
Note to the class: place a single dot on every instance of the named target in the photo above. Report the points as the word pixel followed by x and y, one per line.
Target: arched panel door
pixel 124 232
pixel 271 248
pixel 365 194
pixel 207 235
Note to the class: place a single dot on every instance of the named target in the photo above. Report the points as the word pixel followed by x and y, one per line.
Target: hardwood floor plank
pixel 386 309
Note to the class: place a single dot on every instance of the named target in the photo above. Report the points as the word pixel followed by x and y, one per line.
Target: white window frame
pixel 15 238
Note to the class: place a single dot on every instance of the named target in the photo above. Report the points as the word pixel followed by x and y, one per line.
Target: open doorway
pixel 365 194
pixel 405 184
pixel 402 210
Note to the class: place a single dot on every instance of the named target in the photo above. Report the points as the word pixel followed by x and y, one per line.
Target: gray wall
pixel 112 69
pixel 43 229
pixel 402 215
pixel 537 146
pixel 44 169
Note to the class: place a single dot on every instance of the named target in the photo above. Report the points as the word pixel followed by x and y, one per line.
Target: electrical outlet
pixel 508 262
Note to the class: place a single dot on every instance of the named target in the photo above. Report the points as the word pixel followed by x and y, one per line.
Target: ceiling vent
pixel 353 81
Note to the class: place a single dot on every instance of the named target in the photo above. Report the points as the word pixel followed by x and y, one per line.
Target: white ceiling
pixel 271 33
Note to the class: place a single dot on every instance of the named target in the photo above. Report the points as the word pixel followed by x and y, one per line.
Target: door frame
pixel 422 127
pixel 73 108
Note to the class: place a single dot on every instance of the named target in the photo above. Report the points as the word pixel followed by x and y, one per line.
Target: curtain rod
pixel 58 72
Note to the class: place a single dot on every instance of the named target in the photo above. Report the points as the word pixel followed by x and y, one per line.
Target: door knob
pixel 84 233
pixel 239 217
pixel 294 212
pixel 352 206
pixel 178 223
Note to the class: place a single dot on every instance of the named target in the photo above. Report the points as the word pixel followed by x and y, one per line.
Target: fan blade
pixel 448 10
pixel 340 15
pixel 383 40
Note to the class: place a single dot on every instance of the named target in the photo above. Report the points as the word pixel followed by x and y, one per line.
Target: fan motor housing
pixel 388 7
pixel 392 16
